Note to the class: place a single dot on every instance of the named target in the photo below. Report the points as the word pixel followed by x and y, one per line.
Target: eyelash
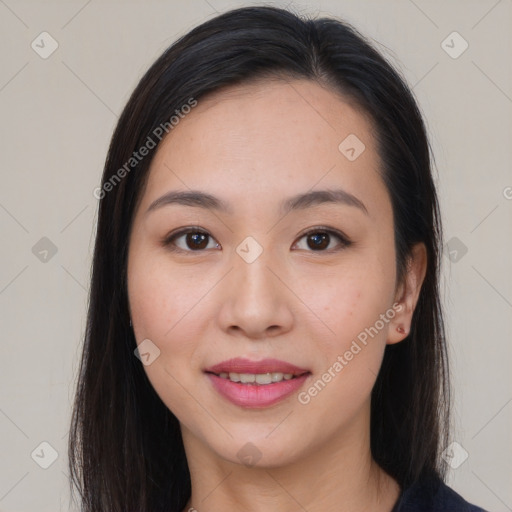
pixel 169 239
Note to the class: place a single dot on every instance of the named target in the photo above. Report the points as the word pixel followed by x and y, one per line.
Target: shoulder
pixel 432 496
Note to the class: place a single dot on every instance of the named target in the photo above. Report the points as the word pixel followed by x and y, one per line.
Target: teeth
pixel 260 378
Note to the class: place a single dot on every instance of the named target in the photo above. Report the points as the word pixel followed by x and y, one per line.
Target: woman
pixel 264 329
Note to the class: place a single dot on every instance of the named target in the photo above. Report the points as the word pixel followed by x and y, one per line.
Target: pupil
pixel 319 241
pixel 198 240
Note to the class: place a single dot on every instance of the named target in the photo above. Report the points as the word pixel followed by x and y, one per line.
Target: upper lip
pixel 242 365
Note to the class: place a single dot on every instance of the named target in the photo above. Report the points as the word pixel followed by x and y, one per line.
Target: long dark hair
pixel 125 447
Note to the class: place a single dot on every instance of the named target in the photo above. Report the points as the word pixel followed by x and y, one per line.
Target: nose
pixel 256 302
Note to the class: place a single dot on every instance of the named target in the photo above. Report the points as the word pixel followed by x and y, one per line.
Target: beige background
pixel 57 117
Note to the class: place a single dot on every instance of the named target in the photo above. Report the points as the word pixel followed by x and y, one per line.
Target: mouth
pixel 256 384
pixel 264 372
pixel 258 379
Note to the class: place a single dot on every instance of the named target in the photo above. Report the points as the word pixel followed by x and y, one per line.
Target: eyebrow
pixel 199 199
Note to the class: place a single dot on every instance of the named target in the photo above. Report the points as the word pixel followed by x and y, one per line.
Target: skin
pixel 253 146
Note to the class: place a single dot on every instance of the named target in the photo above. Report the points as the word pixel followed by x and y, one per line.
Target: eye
pixel 319 239
pixel 190 240
pixel 195 240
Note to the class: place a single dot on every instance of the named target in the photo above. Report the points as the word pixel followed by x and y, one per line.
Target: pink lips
pixel 241 365
pixel 255 395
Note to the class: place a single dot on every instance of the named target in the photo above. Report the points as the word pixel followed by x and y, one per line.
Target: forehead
pixel 266 137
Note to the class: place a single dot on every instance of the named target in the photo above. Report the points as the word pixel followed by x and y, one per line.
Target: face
pixel 259 273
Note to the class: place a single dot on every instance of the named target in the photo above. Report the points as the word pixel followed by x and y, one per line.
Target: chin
pixel 258 452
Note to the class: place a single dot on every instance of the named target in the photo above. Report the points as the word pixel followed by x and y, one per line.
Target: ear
pixel 407 294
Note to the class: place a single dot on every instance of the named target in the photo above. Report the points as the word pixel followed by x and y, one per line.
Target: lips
pixel 225 377
pixel 243 365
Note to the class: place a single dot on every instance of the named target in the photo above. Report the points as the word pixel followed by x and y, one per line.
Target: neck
pixel 339 476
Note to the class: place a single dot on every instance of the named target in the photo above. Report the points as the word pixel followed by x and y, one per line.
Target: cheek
pixel 162 296
pixel 350 300
pixel 156 312
pixel 167 307
pixel 350 356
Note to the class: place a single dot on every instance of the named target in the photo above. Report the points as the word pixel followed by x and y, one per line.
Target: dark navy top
pixel 432 496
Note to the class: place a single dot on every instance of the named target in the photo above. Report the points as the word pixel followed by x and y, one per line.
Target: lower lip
pixel 254 395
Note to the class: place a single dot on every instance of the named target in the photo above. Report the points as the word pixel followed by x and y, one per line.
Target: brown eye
pixel 318 241
pixel 190 240
pixel 196 240
pixel 321 240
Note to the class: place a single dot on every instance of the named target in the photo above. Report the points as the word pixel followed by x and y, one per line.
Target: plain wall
pixel 58 114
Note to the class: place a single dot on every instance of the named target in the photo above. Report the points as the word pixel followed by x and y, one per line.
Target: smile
pixel 258 379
